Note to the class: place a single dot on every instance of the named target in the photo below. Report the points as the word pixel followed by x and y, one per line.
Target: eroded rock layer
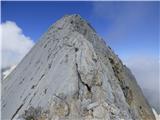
pixel 72 74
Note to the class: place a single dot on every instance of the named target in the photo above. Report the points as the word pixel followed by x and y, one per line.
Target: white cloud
pixel 15 44
pixel 146 71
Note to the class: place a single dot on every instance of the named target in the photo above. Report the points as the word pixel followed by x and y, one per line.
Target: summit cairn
pixel 71 74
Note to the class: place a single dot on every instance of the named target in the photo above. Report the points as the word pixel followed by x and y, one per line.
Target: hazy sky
pixel 130 28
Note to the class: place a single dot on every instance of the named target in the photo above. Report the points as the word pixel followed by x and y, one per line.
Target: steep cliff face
pixel 72 74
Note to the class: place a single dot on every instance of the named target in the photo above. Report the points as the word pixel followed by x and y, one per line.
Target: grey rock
pixel 72 74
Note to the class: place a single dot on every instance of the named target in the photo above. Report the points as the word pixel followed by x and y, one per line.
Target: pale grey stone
pixel 71 74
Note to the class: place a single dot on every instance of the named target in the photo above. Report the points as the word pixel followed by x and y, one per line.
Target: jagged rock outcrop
pixel 72 74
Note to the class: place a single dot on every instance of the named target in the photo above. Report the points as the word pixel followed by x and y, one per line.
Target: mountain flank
pixel 72 74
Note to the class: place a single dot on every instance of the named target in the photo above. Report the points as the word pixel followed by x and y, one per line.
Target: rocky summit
pixel 72 74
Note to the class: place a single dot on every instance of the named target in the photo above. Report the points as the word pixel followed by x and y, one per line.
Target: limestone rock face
pixel 71 74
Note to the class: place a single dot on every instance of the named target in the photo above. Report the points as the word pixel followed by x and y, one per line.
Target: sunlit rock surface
pixel 72 74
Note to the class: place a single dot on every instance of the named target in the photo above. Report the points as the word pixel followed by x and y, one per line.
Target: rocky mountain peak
pixel 72 74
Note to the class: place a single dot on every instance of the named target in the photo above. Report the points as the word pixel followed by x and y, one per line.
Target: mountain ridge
pixel 73 74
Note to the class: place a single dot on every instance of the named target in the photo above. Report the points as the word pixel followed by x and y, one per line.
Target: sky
pixel 131 29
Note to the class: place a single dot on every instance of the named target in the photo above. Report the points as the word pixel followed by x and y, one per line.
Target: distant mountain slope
pixel 6 71
pixel 156 114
